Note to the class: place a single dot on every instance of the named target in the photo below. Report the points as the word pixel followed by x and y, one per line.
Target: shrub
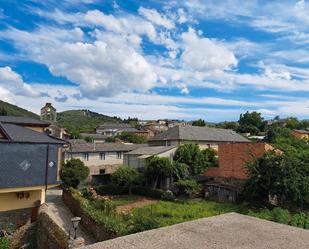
pixel 111 189
pixel 4 243
pixel 142 223
pixel 299 220
pixel 149 192
pixel 281 215
pixel 125 177
pixel 188 187
pixel 168 196
pixel 73 172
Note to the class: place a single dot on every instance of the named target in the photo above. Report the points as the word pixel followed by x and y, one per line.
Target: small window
pixel 102 171
pixel 119 155
pixel 102 156
pixel 86 156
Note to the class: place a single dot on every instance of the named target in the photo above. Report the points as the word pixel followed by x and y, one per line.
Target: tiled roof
pixel 103 147
pixel 302 131
pixel 151 150
pixel 195 133
pixel 16 133
pixel 22 121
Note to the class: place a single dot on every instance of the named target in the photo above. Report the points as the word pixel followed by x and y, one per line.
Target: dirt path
pixel 62 215
pixel 142 202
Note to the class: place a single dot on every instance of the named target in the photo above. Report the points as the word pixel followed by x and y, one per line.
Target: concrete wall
pixel 12 199
pixel 49 234
pixel 110 164
pixel 233 159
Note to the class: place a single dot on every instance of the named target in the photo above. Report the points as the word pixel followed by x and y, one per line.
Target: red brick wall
pixel 233 158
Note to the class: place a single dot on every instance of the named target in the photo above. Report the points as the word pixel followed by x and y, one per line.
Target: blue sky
pixel 154 59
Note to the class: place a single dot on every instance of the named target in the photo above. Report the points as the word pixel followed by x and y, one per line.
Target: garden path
pixel 62 215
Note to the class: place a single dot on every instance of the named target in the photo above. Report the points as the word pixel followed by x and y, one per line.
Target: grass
pixel 122 200
pixel 4 243
pixel 169 213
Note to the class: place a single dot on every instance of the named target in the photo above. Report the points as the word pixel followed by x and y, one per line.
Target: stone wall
pixel 16 218
pixel 97 230
pixel 24 237
pixel 49 234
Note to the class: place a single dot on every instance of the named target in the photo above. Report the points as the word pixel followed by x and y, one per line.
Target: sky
pixel 185 59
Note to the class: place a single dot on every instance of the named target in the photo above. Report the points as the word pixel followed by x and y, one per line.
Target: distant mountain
pixel 13 110
pixel 77 121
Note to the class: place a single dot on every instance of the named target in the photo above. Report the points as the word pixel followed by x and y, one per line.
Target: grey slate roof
pixel 114 126
pixel 151 150
pixel 16 133
pixel 102 147
pixel 195 133
pixel 22 121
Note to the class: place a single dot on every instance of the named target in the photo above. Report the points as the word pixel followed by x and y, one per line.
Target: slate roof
pixel 16 133
pixel 196 133
pixel 151 150
pixel 114 126
pixel 23 121
pixel 102 147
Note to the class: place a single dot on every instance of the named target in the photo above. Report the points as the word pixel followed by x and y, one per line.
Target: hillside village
pixel 66 188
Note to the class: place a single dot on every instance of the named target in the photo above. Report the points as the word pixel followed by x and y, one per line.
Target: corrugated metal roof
pixel 151 150
pixel 17 133
pixel 195 133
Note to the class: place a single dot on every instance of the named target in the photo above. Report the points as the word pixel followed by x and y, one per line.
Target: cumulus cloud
pixel 202 54
pixel 12 82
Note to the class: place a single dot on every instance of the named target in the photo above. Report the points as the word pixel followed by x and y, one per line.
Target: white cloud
pixel 202 54
pixel 11 82
pixel 155 17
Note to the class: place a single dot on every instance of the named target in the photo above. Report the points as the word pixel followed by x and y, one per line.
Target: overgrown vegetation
pixel 128 138
pixel 78 121
pixel 4 243
pixel 73 172
pixel 126 177
pixel 189 188
pixel 199 122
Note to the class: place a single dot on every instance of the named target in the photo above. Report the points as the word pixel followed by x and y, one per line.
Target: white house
pixel 101 158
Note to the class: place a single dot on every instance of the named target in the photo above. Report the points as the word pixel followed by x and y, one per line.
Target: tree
pixel 199 122
pixel 3 112
pixel 211 157
pixel 191 155
pixel 228 125
pixel 283 174
pixel 158 169
pixel 126 177
pixel 73 172
pixel 251 122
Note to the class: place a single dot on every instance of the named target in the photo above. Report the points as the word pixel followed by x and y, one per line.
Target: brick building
pixel 225 182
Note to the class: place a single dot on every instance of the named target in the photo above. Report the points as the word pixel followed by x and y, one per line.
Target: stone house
pixel 204 136
pixel 137 158
pixel 114 129
pixel 301 134
pixel 101 158
pixel 49 113
pixel 30 162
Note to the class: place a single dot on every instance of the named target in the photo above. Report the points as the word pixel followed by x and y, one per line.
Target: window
pixel 102 156
pixel 119 155
pixel 86 156
pixel 102 171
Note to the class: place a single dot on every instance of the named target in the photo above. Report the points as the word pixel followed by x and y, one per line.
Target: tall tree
pixel 251 122
pixel 199 122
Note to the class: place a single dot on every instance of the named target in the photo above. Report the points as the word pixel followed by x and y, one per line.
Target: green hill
pixel 77 121
pixel 13 110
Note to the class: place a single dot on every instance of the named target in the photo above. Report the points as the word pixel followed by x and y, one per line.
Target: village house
pixel 301 134
pixel 101 158
pixel 224 182
pixel 137 158
pixel 204 136
pixel 115 129
pixel 30 162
